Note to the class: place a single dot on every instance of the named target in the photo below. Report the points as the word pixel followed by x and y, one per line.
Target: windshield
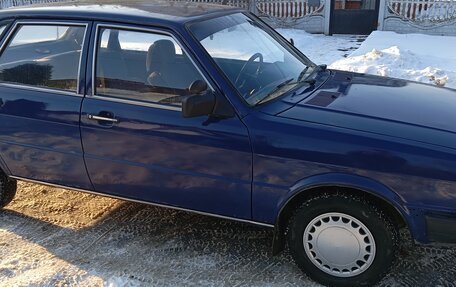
pixel 260 67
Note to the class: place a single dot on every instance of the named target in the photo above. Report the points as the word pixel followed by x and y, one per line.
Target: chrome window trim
pixel 144 202
pixel 138 29
pixel 13 30
pixel 4 25
pixel 138 103
pixel 38 89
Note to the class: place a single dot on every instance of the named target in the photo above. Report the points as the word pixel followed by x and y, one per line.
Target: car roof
pixel 129 11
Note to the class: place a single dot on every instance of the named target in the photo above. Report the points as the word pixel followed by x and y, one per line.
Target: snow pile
pixel 417 57
pixel 320 48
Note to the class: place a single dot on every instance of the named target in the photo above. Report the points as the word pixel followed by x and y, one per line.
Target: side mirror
pixel 198 103
pixel 291 41
pixel 197 87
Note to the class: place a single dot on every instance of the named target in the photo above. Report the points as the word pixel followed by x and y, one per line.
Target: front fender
pixel 314 184
pixel 365 184
pixel 4 168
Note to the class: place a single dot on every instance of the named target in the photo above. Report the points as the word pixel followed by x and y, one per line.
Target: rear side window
pixel 143 66
pixel 2 28
pixel 45 56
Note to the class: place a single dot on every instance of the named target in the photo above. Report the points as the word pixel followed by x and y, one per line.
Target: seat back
pixel 160 64
pixel 111 65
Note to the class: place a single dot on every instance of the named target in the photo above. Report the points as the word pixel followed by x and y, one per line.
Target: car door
pixel 137 144
pixel 40 101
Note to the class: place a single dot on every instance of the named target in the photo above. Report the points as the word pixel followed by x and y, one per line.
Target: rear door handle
pixel 104 119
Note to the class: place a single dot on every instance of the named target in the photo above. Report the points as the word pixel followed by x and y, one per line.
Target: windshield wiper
pixel 311 82
pixel 302 74
pixel 277 88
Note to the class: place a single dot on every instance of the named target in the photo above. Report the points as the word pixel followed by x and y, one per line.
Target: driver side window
pixel 142 66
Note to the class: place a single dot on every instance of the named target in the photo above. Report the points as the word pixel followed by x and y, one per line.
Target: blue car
pixel 206 108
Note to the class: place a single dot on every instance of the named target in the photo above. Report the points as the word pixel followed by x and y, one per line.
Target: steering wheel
pixel 247 64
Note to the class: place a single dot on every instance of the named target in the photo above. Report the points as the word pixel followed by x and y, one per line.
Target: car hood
pixel 382 105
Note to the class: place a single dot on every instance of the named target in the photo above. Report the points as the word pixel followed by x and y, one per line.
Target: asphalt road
pixel 55 237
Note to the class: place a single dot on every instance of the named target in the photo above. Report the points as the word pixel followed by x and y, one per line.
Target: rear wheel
pixel 342 240
pixel 7 190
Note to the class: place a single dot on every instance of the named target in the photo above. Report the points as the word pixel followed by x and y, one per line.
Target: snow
pixel 320 48
pixel 416 57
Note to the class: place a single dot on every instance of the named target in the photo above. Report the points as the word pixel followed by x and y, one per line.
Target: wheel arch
pixel 382 196
pixel 3 167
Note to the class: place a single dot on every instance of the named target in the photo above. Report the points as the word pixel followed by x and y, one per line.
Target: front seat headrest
pixel 160 54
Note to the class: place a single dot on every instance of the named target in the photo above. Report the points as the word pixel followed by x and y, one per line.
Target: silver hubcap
pixel 339 244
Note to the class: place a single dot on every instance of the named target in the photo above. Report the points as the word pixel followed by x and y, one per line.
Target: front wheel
pixel 342 240
pixel 7 190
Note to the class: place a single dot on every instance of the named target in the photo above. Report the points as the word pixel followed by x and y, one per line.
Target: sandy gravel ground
pixel 56 237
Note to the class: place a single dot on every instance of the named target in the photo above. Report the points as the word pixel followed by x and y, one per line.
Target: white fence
pixel 11 3
pixel 424 10
pixel 288 9
pixel 428 16
pixel 273 8
pixel 237 3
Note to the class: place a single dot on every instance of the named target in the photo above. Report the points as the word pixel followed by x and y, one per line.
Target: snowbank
pixel 320 48
pixel 417 57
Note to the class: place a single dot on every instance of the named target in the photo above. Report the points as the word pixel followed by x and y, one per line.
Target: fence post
pixel 327 16
pixel 253 6
pixel 381 14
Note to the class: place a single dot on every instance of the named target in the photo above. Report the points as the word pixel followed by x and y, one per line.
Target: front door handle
pixel 103 119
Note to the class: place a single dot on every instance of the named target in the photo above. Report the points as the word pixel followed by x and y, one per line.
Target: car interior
pixel 252 75
pixel 158 75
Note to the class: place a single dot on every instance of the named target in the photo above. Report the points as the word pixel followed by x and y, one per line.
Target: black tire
pixel 7 190
pixel 380 226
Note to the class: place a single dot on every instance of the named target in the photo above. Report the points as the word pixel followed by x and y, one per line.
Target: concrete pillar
pixel 381 14
pixel 327 16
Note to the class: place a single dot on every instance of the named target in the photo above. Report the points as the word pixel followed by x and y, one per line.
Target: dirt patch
pixel 56 237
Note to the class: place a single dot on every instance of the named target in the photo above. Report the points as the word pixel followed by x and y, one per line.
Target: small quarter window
pixel 46 56
pixel 2 28
pixel 143 66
